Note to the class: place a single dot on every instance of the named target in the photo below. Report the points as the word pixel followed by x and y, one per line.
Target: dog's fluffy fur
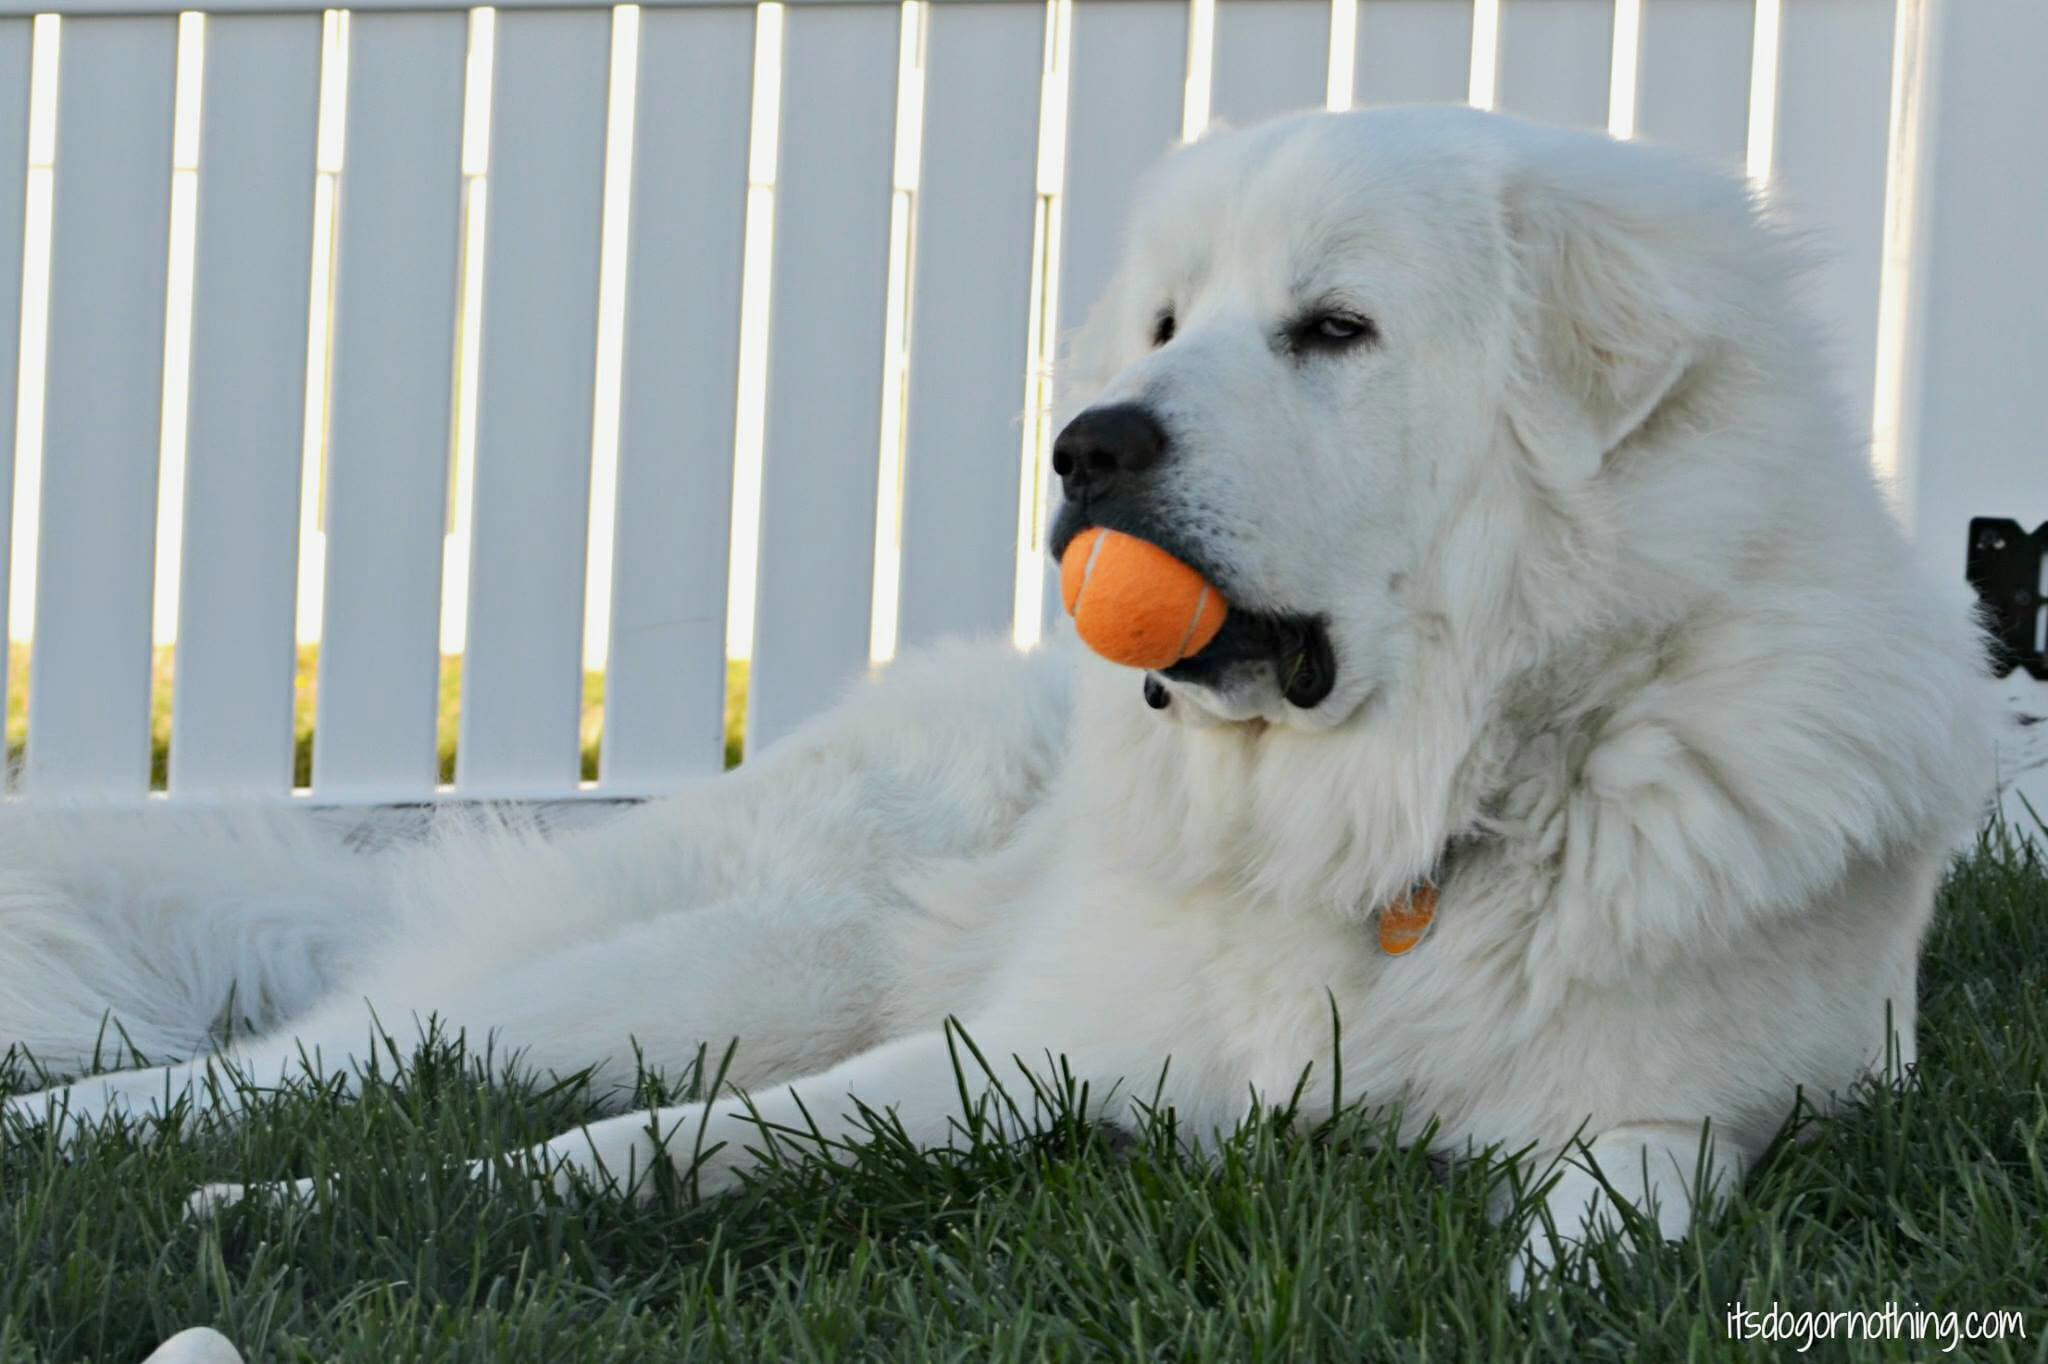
pixel 1625 640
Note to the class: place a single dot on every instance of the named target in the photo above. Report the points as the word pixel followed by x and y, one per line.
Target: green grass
pixel 163 681
pixel 1324 1243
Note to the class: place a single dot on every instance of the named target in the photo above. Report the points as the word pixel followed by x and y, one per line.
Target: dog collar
pixel 1405 921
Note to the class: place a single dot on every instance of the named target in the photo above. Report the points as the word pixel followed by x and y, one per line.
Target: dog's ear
pixel 1609 317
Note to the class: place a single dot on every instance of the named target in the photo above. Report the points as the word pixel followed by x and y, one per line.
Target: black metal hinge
pixel 2005 569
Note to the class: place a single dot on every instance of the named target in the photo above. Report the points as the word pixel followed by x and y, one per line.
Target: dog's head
pixel 1373 374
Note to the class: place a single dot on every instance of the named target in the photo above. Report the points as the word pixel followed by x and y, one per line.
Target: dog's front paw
pixel 196 1345
pixel 1540 1256
pixel 24 1112
pixel 210 1200
pixel 68 1112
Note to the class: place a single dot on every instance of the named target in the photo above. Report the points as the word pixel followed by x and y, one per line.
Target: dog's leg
pixel 212 1087
pixel 799 985
pixel 1666 1171
pixel 926 1084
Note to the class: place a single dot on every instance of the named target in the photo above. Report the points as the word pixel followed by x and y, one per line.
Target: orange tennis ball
pixel 1134 603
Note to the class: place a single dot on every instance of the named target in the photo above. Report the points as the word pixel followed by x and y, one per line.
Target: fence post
pixel 1970 212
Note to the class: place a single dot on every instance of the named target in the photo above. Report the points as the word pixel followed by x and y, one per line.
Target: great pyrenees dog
pixel 1561 594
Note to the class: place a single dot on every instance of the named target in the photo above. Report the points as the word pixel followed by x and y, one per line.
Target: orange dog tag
pixel 1405 922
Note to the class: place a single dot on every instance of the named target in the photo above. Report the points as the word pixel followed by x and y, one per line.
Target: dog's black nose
pixel 1104 443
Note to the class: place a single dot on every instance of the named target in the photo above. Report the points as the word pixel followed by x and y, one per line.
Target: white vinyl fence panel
pixel 232 720
pixel 1834 106
pixel 664 705
pixel 976 199
pixel 391 376
pixel 884 257
pixel 1126 68
pixel 522 679
pixel 1554 60
pixel 1983 350
pixel 1271 57
pixel 1969 435
pixel 1693 68
pixel 103 397
pixel 16 44
pixel 1413 52
pixel 826 330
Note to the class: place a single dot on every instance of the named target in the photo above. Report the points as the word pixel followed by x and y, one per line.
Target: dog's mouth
pixel 1295 644
pixel 1298 647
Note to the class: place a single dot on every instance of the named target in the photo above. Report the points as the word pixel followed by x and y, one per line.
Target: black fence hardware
pixel 2005 569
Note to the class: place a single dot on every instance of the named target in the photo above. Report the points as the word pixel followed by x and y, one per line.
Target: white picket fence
pixel 947 183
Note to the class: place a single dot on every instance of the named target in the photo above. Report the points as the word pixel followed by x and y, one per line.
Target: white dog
pixel 1557 581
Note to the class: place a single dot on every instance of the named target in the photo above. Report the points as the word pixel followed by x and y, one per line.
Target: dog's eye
pixel 1162 328
pixel 1331 330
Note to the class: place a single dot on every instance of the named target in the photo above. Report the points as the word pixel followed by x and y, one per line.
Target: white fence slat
pixel 1125 77
pixel 9 8
pixel 1972 442
pixel 388 406
pixel 1970 430
pixel 1555 57
pixel 89 672
pixel 1413 52
pixel 16 37
pixel 1271 57
pixel 826 310
pixel 1834 117
pixel 522 671
pixel 1692 77
pixel 976 201
pixel 664 688
pixel 231 723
